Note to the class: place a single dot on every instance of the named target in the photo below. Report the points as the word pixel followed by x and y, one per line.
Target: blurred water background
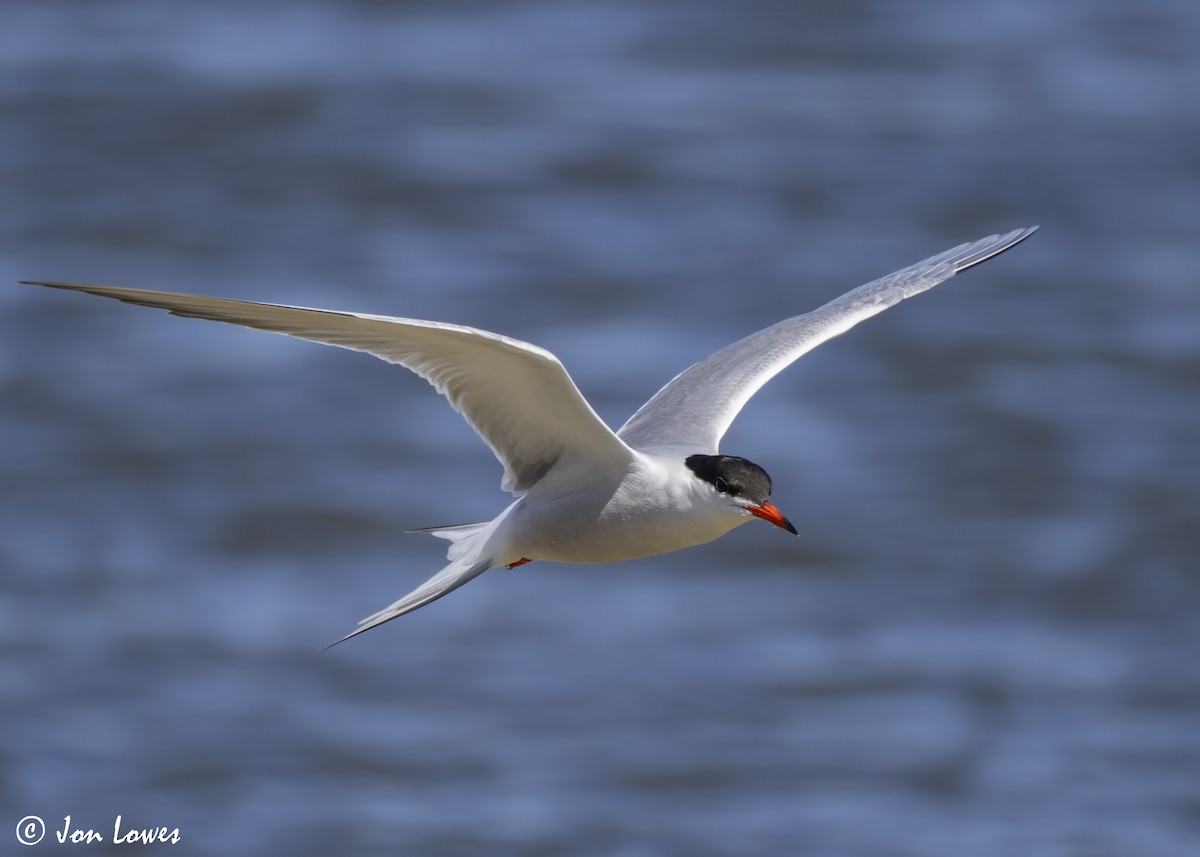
pixel 985 641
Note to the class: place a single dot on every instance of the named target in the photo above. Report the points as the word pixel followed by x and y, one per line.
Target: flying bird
pixel 584 493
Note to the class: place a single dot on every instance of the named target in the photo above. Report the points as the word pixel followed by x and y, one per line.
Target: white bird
pixel 585 494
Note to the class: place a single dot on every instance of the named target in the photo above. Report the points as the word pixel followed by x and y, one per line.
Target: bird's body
pixel 648 509
pixel 585 494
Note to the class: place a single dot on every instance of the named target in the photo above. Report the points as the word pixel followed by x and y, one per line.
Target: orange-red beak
pixel 769 513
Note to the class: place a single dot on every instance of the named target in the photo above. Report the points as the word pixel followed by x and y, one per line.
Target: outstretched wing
pixel 517 396
pixel 695 409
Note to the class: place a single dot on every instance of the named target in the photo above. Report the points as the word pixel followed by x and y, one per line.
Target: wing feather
pixel 696 408
pixel 516 396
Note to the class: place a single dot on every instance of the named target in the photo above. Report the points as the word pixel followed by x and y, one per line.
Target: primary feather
pixel 695 409
pixel 518 397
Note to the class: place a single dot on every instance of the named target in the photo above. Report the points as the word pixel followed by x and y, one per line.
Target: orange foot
pixel 521 561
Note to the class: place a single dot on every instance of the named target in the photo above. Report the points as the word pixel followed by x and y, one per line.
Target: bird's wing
pixel 696 408
pixel 518 397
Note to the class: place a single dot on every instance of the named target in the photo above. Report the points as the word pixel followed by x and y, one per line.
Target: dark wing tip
pixel 58 284
pixel 992 247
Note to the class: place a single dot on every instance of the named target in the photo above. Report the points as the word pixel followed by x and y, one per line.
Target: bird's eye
pixel 725 488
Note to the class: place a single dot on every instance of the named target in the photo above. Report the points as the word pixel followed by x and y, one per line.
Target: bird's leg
pixel 521 561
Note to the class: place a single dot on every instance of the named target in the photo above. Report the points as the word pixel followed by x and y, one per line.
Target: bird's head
pixel 740 483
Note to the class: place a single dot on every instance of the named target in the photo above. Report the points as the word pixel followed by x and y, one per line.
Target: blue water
pixel 985 641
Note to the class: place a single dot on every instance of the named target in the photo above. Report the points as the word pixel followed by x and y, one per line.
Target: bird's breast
pixel 608 526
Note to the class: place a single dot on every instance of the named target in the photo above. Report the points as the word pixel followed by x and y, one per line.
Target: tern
pixel 584 493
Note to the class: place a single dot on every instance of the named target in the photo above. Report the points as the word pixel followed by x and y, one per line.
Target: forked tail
pixel 447 580
pixel 465 565
pixel 462 537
